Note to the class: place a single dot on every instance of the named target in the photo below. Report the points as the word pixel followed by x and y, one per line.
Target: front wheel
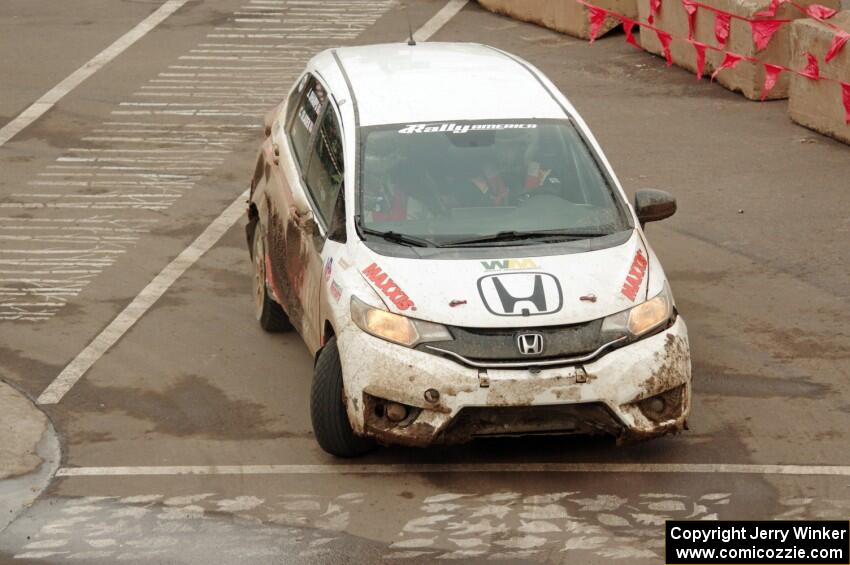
pixel 327 407
pixel 269 313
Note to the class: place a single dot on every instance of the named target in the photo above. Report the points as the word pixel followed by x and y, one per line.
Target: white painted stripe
pixel 439 19
pixel 72 81
pixel 379 469
pixel 149 295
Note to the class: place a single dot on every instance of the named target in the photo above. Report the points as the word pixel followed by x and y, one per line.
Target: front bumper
pixel 638 391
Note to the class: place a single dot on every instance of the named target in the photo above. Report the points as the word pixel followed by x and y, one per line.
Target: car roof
pixel 399 83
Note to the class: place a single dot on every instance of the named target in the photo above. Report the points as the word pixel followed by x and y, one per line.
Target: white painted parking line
pixel 380 469
pixel 439 19
pixel 72 81
pixel 145 299
pixel 136 169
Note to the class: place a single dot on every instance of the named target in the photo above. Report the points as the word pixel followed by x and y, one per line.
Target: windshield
pixel 460 182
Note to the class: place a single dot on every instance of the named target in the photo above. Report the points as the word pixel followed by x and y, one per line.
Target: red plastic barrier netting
pixel 762 30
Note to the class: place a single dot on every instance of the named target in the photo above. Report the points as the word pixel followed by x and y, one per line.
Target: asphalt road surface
pixel 189 440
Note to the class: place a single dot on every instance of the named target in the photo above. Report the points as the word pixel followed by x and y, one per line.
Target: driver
pixel 542 158
pixel 403 195
pixel 482 185
pixel 491 185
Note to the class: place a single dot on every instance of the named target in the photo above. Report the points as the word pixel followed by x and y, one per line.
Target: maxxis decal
pixel 635 277
pixel 388 287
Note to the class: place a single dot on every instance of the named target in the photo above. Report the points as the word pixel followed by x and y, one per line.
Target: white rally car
pixel 444 232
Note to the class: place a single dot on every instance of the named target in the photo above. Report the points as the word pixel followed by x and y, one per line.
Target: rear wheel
pixel 327 407
pixel 269 313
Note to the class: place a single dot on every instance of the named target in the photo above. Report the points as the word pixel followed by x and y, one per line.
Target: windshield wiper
pixel 399 238
pixel 513 235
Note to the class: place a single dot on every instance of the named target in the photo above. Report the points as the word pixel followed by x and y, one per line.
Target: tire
pixel 269 313
pixel 327 408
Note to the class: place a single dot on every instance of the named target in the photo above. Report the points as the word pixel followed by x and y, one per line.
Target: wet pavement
pixel 208 416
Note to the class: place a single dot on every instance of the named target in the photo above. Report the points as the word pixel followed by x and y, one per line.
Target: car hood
pixel 513 291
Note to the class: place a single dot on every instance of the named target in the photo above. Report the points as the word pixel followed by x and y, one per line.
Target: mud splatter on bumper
pixel 634 393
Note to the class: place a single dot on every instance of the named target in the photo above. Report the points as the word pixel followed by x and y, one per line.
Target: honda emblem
pixel 521 294
pixel 530 344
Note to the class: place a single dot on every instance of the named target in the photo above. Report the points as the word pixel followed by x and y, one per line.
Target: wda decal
pixel 509 264
pixel 388 287
pixel 635 276
pixel 521 294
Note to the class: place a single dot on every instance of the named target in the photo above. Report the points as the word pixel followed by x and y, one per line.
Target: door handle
pixel 305 221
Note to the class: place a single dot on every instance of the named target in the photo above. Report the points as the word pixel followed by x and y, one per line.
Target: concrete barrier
pixel 746 78
pixel 818 104
pixel 566 16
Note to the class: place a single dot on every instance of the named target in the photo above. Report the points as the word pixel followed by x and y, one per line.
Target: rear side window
pixel 324 177
pixel 295 97
pixel 304 121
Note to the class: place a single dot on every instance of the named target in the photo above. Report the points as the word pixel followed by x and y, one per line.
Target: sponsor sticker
pixel 343 264
pixel 635 277
pixel 509 264
pixel 329 265
pixel 452 127
pixel 305 119
pixel 388 287
pixel 336 291
pixel 314 100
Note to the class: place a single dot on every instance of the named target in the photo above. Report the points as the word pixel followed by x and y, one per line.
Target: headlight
pixel 641 319
pixel 395 328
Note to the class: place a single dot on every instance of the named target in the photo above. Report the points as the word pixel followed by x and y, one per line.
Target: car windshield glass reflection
pixel 485 183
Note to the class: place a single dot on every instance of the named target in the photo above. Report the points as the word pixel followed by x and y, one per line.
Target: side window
pixel 324 177
pixel 295 97
pixel 336 229
pixel 304 121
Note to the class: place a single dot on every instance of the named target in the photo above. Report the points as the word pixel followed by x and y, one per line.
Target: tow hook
pixel 483 379
pixel 581 375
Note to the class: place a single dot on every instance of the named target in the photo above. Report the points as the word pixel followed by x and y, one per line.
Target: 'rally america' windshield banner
pixel 452 127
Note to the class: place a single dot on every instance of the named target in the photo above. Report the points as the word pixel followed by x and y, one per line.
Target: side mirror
pixel 652 205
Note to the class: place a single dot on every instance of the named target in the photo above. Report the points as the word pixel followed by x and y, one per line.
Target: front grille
pixel 495 345
pixel 591 418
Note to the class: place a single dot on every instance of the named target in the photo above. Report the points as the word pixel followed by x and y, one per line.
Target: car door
pixel 292 235
pixel 324 182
